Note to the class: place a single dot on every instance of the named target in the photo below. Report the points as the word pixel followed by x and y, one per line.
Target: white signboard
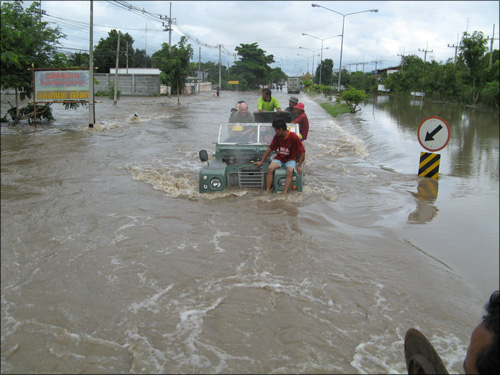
pixel 434 133
pixel 61 85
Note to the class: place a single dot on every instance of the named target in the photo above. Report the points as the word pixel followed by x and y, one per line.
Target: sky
pixel 371 40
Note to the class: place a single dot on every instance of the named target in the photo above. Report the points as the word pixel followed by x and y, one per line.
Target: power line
pixel 158 17
pixel 138 11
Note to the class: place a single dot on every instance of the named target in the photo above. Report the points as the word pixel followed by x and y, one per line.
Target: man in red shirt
pixel 289 147
pixel 302 120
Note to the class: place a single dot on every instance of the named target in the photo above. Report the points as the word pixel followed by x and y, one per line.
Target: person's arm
pixel 260 103
pixel 301 160
pixel 264 157
pixel 277 105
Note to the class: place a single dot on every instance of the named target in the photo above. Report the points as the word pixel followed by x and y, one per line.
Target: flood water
pixel 112 262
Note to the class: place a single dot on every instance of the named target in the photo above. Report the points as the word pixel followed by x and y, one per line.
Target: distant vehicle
pixel 239 145
pixel 417 93
pixel 293 85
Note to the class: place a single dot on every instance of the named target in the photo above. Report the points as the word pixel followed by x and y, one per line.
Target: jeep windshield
pixel 249 133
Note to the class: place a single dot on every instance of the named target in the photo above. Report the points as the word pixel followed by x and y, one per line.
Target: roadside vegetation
pixel 335 109
pixel 472 79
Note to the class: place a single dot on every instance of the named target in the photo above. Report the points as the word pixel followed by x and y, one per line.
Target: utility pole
pixel 425 51
pixel 491 44
pixel 170 29
pixel 456 49
pixel 220 62
pixel 91 68
pixel 117 64
pixel 126 54
pixel 376 62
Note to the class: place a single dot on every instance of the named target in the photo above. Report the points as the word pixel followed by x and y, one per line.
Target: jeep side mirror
pixel 203 155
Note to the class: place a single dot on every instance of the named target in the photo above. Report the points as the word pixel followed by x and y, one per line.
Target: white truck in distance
pixel 293 85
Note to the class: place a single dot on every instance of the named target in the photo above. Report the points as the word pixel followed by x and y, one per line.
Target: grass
pixel 335 109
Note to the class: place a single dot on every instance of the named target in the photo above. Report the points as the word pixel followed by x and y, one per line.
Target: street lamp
pixel 321 64
pixel 307 57
pixel 342 42
pixel 313 51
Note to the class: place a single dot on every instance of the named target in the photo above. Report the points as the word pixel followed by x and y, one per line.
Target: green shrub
pixel 490 95
pixel 352 98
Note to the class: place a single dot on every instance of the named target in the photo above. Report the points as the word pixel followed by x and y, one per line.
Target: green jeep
pixel 238 146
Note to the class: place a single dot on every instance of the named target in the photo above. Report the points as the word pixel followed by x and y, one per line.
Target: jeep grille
pixel 251 178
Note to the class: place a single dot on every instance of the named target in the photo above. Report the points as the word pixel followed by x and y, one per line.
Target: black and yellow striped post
pixel 433 135
pixel 429 165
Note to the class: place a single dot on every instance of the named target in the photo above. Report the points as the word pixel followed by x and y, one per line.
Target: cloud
pixel 277 26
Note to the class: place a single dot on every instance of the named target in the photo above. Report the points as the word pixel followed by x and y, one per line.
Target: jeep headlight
pixel 281 182
pixel 215 183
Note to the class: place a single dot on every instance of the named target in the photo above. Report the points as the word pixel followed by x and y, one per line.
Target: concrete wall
pixel 144 85
pixel 205 86
pixel 194 88
pixel 129 84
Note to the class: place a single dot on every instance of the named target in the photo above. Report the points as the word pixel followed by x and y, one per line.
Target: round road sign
pixel 434 133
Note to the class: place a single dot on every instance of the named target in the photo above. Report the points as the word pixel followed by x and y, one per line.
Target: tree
pixel 408 78
pixel 307 84
pixel 472 49
pixel 253 66
pixel 174 63
pixel 326 72
pixel 353 97
pixel 472 80
pixel 105 52
pixel 345 78
pixel 363 81
pixel 210 71
pixel 277 76
pixel 78 59
pixel 307 77
pixel 140 59
pixel 26 41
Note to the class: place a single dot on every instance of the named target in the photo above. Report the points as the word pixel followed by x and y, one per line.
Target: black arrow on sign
pixel 430 136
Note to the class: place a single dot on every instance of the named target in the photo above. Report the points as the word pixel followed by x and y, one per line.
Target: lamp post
pixel 307 57
pixel 342 42
pixel 321 64
pixel 313 51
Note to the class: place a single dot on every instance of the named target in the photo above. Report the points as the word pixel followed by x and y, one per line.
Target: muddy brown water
pixel 112 262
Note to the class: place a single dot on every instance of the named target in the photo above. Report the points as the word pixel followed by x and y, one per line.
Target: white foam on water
pixel 145 357
pixel 215 241
pixel 450 348
pixel 113 124
pixel 177 185
pixel 344 143
pixel 151 303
